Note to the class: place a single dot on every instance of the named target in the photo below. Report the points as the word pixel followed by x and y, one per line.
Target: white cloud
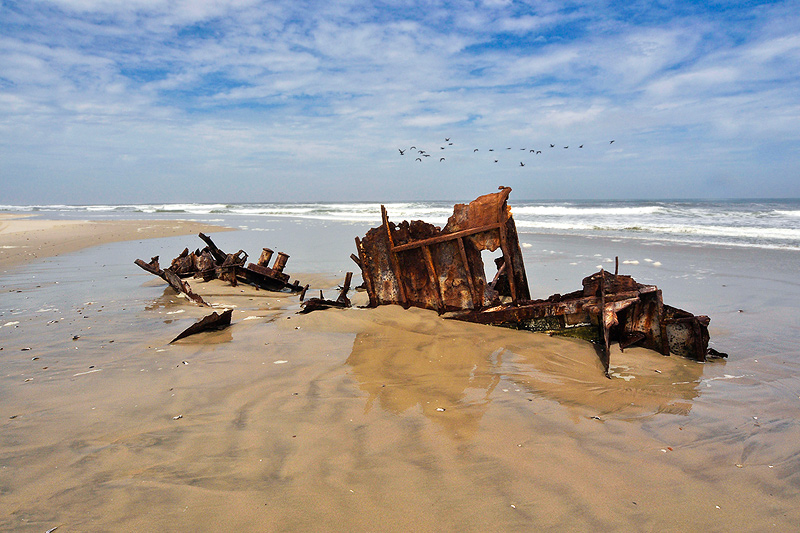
pixel 252 83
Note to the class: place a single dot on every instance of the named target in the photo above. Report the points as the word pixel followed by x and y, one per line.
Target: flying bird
pixel 446 139
pixel 521 164
pixel 533 151
pixel 538 152
pixel 413 148
pixel 552 146
pixel 566 147
pixel 402 152
pixel 442 159
pixel 581 146
pixel 610 142
pixel 475 150
pixel 495 160
pixel 491 149
pixel 418 159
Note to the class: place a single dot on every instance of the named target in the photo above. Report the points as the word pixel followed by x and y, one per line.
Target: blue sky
pixel 125 101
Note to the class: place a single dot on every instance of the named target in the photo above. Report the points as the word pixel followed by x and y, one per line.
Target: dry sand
pixel 23 238
pixel 362 420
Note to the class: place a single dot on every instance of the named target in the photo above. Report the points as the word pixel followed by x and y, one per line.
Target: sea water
pixel 764 224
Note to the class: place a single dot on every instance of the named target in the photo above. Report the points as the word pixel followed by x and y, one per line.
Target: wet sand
pixel 385 419
pixel 23 238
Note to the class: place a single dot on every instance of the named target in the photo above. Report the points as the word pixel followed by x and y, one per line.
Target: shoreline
pixel 24 238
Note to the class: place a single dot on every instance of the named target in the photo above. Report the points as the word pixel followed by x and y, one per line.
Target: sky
pixel 132 101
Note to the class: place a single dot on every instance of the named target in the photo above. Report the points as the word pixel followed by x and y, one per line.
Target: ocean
pixel 767 224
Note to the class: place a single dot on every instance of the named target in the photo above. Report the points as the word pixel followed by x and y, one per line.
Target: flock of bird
pixel 421 154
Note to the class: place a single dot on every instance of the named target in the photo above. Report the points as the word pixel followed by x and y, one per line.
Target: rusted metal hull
pixel 418 264
pixel 629 317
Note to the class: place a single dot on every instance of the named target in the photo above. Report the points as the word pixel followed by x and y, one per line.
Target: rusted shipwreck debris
pixel 213 321
pixel 212 263
pixel 418 264
pixel 316 304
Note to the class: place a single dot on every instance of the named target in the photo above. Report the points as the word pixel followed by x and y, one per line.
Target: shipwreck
pixel 418 264
pixel 212 263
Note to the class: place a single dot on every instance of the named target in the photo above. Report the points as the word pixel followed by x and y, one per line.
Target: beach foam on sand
pixel 363 419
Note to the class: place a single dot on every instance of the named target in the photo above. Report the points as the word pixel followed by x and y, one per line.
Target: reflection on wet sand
pixel 406 370
pixel 453 371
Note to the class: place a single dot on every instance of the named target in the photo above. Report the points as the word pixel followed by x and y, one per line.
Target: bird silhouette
pixel 475 150
pixel 413 148
pixel 533 151
pixel 581 146
pixel 491 149
pixel 495 160
pixel 418 159
pixel 552 146
pixel 446 139
pixel 442 147
pixel 610 142
pixel 566 147
pixel 538 152
pixel 521 164
pixel 442 159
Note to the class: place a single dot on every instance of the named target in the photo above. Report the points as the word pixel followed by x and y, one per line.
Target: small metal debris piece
pixel 418 264
pixel 315 304
pixel 212 321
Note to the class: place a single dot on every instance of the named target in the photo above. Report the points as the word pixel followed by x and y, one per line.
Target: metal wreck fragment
pixel 211 263
pixel 172 278
pixel 213 321
pixel 418 264
pixel 315 304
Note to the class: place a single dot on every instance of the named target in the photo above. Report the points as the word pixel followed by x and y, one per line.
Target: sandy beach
pixel 380 419
pixel 23 238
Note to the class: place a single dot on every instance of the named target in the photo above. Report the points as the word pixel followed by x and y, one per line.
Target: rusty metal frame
pixel 392 281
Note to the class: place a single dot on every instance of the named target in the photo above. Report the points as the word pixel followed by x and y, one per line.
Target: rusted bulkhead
pixel 418 264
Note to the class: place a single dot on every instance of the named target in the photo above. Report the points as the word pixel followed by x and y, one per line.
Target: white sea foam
pixel 569 211
pixel 773 224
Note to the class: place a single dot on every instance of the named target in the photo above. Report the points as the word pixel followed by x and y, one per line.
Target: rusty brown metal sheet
pixel 213 321
pixel 418 264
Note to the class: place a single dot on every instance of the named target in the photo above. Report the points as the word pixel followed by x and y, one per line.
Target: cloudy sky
pixel 125 101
